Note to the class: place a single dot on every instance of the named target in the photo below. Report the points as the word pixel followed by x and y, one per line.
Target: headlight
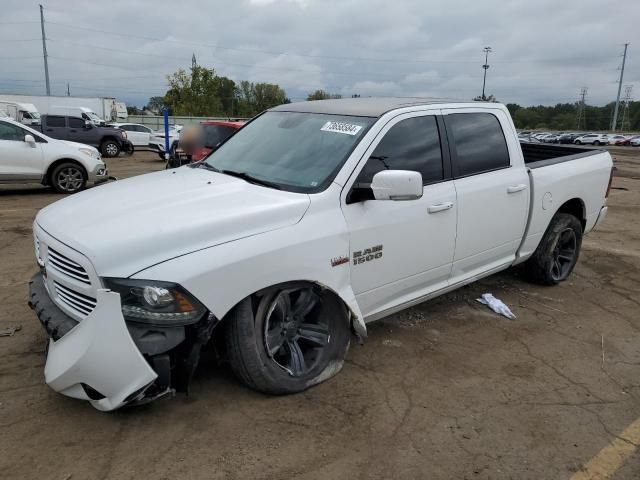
pixel 93 153
pixel 156 303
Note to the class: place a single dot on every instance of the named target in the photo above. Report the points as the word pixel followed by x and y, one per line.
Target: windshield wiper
pixel 251 179
pixel 203 164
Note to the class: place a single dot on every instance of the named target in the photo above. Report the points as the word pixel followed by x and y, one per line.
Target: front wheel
pixel 68 178
pixel 558 251
pixel 288 339
pixel 578 142
pixel 110 148
pixel 596 143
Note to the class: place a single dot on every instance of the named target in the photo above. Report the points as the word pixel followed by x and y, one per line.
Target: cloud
pixel 543 52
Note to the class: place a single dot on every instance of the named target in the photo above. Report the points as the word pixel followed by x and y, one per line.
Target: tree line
pixel 564 117
pixel 202 93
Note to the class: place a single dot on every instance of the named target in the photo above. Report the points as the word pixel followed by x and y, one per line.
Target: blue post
pixel 166 134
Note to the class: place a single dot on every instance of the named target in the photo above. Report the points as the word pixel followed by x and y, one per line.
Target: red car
pixel 211 133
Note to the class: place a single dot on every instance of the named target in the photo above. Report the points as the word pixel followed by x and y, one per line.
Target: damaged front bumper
pixel 109 362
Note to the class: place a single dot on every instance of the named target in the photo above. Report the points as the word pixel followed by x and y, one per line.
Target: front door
pixel 19 161
pixel 402 249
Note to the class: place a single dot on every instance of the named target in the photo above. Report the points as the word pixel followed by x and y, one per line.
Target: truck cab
pixel 25 113
pixel 82 112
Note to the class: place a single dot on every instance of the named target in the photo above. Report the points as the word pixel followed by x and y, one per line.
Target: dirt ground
pixel 445 390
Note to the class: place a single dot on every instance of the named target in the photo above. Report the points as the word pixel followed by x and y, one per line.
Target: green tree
pixel 156 104
pixel 322 95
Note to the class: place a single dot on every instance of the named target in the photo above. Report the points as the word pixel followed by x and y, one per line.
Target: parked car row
pixel 595 139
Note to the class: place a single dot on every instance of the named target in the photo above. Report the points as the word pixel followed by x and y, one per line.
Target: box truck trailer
pixel 94 109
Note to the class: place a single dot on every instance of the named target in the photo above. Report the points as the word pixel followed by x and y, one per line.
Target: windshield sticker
pixel 341 127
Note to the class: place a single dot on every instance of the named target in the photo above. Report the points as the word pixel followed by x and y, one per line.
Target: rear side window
pixel 479 142
pixel 11 132
pixel 55 121
pixel 76 122
pixel 411 144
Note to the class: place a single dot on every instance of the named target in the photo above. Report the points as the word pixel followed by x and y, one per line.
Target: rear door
pixel 492 191
pixel 55 126
pixel 399 250
pixel 19 161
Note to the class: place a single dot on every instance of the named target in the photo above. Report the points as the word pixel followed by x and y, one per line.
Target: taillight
pixel 609 186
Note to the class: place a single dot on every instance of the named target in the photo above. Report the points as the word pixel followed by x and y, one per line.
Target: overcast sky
pixel 543 51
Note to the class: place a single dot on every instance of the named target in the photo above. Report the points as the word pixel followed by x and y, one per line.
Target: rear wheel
pixel 287 340
pixel 68 178
pixel 597 143
pixel 558 252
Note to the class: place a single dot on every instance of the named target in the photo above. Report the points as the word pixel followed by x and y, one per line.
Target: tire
pixel 172 149
pixel 278 353
pixel 110 148
pixel 558 251
pixel 68 177
pixel 596 143
pixel 578 142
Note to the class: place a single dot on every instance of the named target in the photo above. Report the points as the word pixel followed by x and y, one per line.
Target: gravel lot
pixel 445 390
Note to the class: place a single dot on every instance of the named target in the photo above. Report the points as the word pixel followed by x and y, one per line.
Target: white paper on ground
pixel 496 305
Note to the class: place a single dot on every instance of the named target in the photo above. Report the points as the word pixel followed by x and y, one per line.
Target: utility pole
pixel 44 52
pixel 486 51
pixel 615 111
pixel 581 118
pixel 68 90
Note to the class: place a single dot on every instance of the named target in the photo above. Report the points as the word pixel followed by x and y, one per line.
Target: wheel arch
pixel 47 176
pixel 575 207
pixel 356 322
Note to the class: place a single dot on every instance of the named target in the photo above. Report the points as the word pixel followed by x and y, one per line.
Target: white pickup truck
pixel 314 219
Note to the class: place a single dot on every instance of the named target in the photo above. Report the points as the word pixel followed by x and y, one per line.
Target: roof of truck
pixel 363 107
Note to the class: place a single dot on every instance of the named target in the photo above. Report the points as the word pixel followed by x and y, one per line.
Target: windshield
pixel 299 152
pixel 93 117
pixel 31 115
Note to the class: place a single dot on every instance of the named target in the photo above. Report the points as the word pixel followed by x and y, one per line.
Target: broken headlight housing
pixel 156 303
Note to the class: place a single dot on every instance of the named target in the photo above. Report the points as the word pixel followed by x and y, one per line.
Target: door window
pixel 11 132
pixel 55 121
pixel 76 122
pixel 411 144
pixel 479 142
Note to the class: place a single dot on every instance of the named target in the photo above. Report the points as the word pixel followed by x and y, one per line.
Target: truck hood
pixel 129 225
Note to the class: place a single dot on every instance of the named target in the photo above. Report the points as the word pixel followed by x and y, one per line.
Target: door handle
pixel 516 188
pixel 441 207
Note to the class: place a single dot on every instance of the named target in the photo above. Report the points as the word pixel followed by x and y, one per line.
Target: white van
pixel 25 113
pixel 85 113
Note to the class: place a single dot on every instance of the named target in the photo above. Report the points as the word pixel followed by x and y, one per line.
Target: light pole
pixel 486 51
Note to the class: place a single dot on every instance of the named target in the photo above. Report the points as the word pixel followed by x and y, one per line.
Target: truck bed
pixel 538 155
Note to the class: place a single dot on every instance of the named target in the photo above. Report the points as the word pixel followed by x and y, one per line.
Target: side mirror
pixel 88 125
pixel 397 185
pixel 28 138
